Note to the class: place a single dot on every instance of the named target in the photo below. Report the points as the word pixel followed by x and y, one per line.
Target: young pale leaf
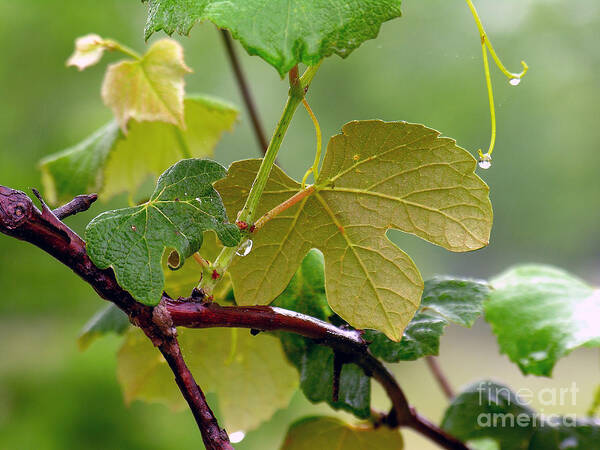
pixel 329 433
pixel 88 51
pixel 281 32
pixel 541 314
pixel 110 163
pixel 376 175
pixel 109 319
pixel 491 410
pixel 248 374
pixel 306 294
pixel 149 88
pixel 132 240
pixel 444 301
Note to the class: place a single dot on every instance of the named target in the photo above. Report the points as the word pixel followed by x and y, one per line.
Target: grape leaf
pixel 109 319
pixel 88 51
pixel 471 416
pixel 580 434
pixel 444 300
pixel 306 294
pixel 148 89
pixel 541 314
pixel 132 240
pixel 376 175
pixel 248 374
pixel 329 433
pixel 490 410
pixel 284 33
pixel 109 162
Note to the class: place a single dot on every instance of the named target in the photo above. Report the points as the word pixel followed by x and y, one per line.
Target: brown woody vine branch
pixel 19 218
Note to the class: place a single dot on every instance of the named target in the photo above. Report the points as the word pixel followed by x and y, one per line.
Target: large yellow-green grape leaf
pixel 110 162
pixel 376 176
pixel 248 374
pixel 329 433
pixel 540 314
pixel 150 88
pixel 282 32
pixel 132 240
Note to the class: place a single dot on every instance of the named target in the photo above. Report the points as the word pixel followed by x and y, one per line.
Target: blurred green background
pixel 425 67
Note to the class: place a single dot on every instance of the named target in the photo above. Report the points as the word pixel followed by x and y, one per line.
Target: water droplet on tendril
pixel 485 161
pixel 514 81
pixel 245 248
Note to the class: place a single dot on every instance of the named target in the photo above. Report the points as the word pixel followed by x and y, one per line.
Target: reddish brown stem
pixel 283 206
pixel 78 204
pixel 19 218
pixel 440 377
pixel 259 131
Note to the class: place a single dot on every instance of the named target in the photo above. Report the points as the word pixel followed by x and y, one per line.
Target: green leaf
pixel 150 88
pixel 580 434
pixel 306 294
pixel 541 314
pixel 376 175
pixel 490 410
pixel 109 162
pixel 329 433
pixel 132 240
pixel 248 374
pixel 444 301
pixel 109 319
pixel 284 33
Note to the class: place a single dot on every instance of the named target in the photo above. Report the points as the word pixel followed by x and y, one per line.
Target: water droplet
pixel 237 436
pixel 485 161
pixel 514 81
pixel 245 248
pixel 199 200
pixel 133 228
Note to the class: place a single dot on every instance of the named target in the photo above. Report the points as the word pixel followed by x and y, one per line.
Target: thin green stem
pixel 488 44
pixel 298 88
pixel 488 82
pixel 315 167
pixel 114 45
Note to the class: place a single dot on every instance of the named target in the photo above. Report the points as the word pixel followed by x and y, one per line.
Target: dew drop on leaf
pixel 514 81
pixel 485 161
pixel 245 248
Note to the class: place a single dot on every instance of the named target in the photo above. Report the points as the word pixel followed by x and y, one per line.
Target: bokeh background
pixel 425 67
